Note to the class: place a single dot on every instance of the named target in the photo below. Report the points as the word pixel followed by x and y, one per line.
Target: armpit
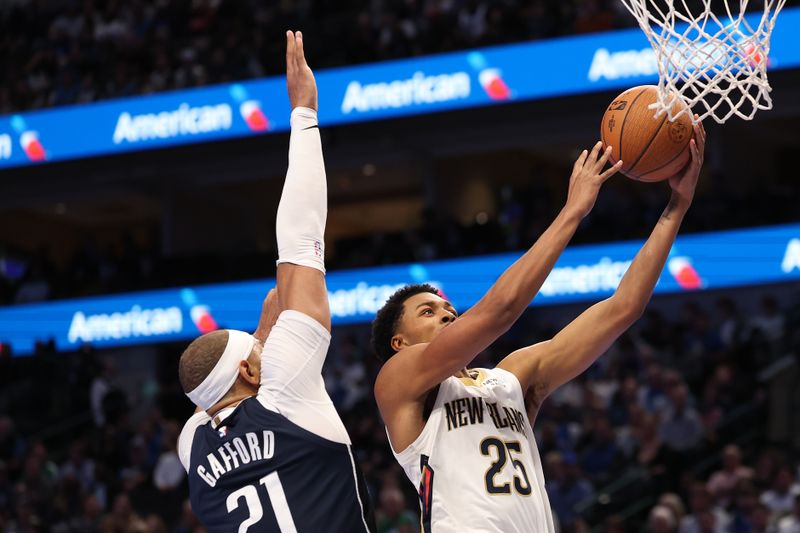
pixel 535 395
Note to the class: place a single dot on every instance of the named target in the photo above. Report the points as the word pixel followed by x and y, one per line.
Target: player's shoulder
pixel 392 382
pixel 502 377
pixel 187 436
pixel 400 365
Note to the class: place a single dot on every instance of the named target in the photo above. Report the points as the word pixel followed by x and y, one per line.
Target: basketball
pixel 651 149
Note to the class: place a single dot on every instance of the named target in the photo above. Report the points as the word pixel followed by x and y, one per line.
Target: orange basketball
pixel 651 149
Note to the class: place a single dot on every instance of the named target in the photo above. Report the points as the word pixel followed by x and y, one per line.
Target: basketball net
pixel 716 62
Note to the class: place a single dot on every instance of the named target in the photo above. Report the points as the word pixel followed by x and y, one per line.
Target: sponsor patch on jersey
pixel 491 382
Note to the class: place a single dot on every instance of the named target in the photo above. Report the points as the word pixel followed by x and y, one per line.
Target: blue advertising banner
pixel 376 91
pixel 696 262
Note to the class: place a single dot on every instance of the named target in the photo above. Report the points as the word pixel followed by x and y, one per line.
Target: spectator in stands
pixel 730 322
pixel 709 523
pixel 624 399
pixel 169 473
pixel 661 520
pixel 101 386
pixel 601 458
pixel 674 503
pixel 188 522
pixel 780 498
pixel 90 517
pixel 653 394
pixel 745 500
pixel 70 52
pixel 769 321
pixel 392 515
pixel 566 487
pixel 614 524
pixel 681 428
pixel 593 16
pixel 123 517
pixel 35 285
pixel 651 454
pixel 12 446
pixel 701 504
pixel 760 519
pixel 723 482
pixel 136 472
pixel 791 523
pixel 79 466
pixel 721 394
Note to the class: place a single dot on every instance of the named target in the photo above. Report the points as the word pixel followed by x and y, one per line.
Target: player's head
pixel 412 315
pixel 218 364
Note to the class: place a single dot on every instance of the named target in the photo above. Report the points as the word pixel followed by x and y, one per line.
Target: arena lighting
pixel 459 80
pixel 697 262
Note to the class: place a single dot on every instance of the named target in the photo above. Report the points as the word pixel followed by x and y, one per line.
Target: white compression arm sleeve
pixel 300 224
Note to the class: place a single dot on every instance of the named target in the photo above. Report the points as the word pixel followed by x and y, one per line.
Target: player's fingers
pixel 290 46
pixel 700 131
pixel 697 158
pixel 595 150
pixel 301 55
pixel 611 171
pixel 581 160
pixel 603 159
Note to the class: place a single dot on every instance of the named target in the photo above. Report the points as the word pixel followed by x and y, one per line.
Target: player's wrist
pixel 571 215
pixel 677 207
pixel 303 117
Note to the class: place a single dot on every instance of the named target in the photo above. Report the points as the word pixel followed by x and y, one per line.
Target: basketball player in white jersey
pixel 266 450
pixel 463 436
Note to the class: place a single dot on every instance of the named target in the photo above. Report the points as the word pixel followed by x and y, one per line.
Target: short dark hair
pixel 388 318
pixel 200 358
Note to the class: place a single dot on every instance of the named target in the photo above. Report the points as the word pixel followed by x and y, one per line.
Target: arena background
pixel 689 423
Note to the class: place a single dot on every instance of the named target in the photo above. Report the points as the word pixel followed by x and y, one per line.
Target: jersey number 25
pixel 504 450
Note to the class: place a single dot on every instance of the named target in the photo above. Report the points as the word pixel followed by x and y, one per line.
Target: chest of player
pixel 485 404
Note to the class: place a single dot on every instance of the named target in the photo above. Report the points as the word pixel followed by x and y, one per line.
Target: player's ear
pixel 397 342
pixel 249 373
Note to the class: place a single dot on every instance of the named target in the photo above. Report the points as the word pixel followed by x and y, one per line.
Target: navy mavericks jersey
pixel 259 472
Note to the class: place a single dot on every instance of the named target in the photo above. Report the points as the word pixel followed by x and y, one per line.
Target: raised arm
pixel 424 366
pixel 303 208
pixel 270 310
pixel 543 367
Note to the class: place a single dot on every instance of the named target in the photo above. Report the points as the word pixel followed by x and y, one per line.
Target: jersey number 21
pixel 256 512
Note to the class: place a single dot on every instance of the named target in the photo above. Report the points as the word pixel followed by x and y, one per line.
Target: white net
pixel 712 57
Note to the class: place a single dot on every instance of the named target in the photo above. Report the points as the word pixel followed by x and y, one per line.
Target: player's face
pixel 425 315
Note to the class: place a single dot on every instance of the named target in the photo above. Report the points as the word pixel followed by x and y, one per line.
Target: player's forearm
pixel 303 208
pixel 516 287
pixel 637 284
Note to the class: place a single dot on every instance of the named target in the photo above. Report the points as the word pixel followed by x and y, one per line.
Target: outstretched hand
pixel 683 184
pixel 587 177
pixel 299 78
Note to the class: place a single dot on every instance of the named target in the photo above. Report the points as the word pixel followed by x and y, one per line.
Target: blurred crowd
pixel 133 260
pixel 672 417
pixel 73 51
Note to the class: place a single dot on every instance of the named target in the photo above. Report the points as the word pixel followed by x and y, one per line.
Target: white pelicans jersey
pixel 476 463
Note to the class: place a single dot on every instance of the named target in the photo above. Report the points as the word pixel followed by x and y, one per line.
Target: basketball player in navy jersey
pixel 266 450
pixel 464 436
